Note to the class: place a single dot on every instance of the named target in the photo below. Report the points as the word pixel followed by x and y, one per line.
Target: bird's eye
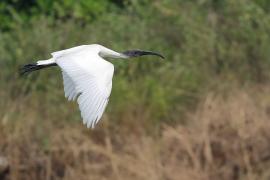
pixel 137 53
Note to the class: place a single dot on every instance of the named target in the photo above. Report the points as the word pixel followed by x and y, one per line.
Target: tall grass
pixel 226 138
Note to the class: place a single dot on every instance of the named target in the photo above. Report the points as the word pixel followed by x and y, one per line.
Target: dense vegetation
pixel 204 42
pixel 211 46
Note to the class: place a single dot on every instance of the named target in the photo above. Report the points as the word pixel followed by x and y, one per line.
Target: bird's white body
pixel 87 77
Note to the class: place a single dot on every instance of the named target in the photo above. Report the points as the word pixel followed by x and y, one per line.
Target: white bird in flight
pixel 87 76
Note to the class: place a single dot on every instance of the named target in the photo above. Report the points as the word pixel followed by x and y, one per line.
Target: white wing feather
pixel 89 77
pixel 69 87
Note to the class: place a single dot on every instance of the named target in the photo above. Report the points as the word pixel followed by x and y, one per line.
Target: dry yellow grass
pixel 226 137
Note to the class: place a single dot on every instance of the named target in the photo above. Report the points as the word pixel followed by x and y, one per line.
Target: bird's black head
pixel 138 53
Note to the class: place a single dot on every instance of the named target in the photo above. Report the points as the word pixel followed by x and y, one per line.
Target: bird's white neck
pixel 105 52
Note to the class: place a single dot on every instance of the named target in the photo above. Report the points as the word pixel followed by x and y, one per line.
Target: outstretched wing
pixel 69 87
pixel 89 77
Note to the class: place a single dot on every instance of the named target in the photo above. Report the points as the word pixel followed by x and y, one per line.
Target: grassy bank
pixel 226 138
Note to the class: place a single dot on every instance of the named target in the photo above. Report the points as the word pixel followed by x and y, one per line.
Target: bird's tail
pixel 26 69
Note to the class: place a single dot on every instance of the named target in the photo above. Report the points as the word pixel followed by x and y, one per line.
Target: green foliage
pixel 79 9
pixel 22 11
pixel 205 42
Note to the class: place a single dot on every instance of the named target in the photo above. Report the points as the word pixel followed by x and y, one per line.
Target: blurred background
pixel 203 113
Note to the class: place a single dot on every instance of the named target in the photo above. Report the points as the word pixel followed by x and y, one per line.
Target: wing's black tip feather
pixel 26 69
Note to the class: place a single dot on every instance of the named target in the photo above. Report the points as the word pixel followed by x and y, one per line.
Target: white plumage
pixel 87 77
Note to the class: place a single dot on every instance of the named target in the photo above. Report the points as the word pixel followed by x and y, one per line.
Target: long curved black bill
pixel 137 53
